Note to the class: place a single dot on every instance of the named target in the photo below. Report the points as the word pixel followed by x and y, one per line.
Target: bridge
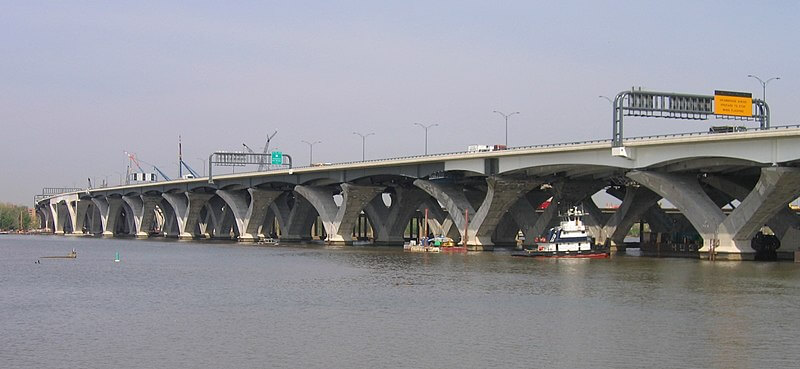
pixel 726 186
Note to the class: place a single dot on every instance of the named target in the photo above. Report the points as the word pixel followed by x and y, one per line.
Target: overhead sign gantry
pixel 239 159
pixel 723 104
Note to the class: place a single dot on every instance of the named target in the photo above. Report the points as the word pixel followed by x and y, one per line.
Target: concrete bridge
pixel 483 197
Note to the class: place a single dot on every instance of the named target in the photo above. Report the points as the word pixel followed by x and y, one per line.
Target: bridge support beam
pixel 339 221
pixel 389 222
pixel 635 203
pixel 295 221
pixel 501 194
pixel 187 208
pixel 143 213
pixel 109 208
pixel 524 215
pixel 55 218
pixel 785 224
pixel 249 209
pixel 730 235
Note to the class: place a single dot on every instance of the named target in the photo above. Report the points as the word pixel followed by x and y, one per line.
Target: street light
pixel 426 133
pixel 311 151
pixel 607 98
pixel 506 118
pixel 763 85
pixel 363 143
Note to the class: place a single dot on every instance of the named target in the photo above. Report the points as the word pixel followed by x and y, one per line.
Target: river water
pixel 171 304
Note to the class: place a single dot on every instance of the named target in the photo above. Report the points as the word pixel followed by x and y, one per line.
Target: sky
pixel 83 82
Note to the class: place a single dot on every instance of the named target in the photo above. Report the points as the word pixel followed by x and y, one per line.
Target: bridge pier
pixel 339 221
pixel 501 194
pixel 731 235
pixel 55 217
pixel 109 208
pixel 295 216
pixel 143 212
pixel 249 208
pixel 187 208
pixel 635 203
pixel 389 222
pixel 785 224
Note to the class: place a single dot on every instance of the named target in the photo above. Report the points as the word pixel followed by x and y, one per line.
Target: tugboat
pixel 568 240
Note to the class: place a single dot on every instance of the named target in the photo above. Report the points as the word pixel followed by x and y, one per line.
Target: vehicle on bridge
pixel 568 240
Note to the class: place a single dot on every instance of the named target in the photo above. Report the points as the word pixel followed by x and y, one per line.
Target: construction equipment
pixel 132 158
pixel 263 164
pixel 182 164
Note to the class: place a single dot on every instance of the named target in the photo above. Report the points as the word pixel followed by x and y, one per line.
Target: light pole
pixel 607 98
pixel 363 143
pixel 763 85
pixel 426 133
pixel 506 118
pixel 311 151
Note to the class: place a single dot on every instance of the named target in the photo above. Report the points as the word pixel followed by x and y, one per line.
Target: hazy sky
pixel 84 81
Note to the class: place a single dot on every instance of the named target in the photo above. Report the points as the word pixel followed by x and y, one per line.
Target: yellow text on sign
pixel 733 105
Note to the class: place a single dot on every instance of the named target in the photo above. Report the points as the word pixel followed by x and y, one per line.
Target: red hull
pixel 452 249
pixel 599 255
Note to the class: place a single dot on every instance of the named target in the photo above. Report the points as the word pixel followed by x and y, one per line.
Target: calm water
pixel 189 305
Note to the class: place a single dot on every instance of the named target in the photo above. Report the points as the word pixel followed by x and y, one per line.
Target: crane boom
pixel 262 164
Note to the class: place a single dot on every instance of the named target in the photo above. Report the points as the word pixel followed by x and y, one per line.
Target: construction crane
pixel 263 164
pixel 182 164
pixel 132 158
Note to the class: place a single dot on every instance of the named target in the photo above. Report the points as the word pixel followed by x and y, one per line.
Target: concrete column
pixel 58 227
pixel 774 190
pixel 295 221
pixel 143 212
pixel 634 205
pixel 170 226
pixel 187 208
pixel 249 208
pixel 339 221
pixel 109 208
pixel 785 224
pixel 81 207
pixel 501 194
pixel 93 217
pixel 389 222
pixel 524 215
pixel 40 212
pixel 685 193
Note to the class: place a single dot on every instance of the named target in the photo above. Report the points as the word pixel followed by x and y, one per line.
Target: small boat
pixel 268 241
pixel 568 240
pixel 412 246
pixel 446 244
pixel 72 255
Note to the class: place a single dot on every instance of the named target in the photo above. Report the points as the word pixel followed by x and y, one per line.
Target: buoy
pixel 116 258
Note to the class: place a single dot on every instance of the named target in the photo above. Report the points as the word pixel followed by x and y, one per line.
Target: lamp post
pixel 763 85
pixel 607 98
pixel 363 143
pixel 426 133
pixel 311 150
pixel 506 118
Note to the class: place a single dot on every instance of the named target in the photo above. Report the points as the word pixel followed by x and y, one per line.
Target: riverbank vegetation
pixel 15 217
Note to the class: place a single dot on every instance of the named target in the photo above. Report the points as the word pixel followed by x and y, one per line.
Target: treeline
pixel 11 215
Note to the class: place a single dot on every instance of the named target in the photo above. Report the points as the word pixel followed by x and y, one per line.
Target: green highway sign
pixel 277 157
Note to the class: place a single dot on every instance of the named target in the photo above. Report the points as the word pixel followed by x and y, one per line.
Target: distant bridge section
pixel 483 199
